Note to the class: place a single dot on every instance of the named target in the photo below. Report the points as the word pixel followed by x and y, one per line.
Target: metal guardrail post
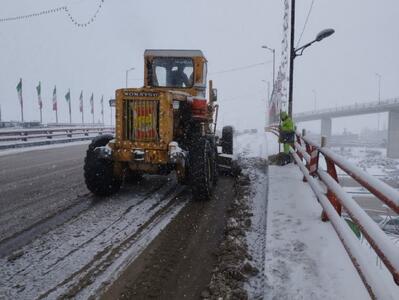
pixel 24 138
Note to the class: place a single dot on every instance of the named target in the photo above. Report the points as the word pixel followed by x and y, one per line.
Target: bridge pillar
pixel 326 125
pixel 393 134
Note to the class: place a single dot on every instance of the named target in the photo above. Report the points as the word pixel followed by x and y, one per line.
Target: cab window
pixel 172 72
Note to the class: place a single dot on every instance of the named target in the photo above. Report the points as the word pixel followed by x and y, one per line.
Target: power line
pixel 306 22
pixel 240 68
pixel 64 9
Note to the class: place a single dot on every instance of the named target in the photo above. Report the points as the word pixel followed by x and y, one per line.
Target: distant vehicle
pixel 390 224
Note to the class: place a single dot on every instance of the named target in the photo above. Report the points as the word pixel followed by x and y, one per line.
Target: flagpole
pixel 39 99
pixel 21 101
pixel 92 107
pixel 55 104
pixel 81 105
pixel 70 111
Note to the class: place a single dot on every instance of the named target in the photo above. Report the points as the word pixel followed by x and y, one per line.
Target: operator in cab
pixel 179 78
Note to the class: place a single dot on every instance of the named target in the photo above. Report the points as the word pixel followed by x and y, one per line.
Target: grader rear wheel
pixel 202 170
pixel 227 139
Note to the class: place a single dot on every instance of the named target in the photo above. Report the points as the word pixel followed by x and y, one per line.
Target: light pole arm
pixel 299 51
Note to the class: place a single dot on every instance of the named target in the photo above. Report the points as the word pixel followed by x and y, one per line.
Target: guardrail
pixel 28 137
pixel 332 197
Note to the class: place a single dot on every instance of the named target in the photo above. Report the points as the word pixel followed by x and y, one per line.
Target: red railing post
pixel 299 141
pixel 332 171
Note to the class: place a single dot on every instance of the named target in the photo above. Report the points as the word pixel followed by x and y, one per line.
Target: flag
pixel 68 96
pixel 81 101
pixel 19 90
pixel 39 95
pixel 92 103
pixel 55 98
pixel 102 104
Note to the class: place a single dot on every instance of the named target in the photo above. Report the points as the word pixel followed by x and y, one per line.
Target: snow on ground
pixel 371 160
pixel 259 144
pixel 304 257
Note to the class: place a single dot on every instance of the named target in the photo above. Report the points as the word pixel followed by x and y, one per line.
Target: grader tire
pixel 98 172
pixel 227 140
pixel 201 170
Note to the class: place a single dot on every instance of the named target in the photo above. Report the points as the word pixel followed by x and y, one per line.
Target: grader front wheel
pixel 99 172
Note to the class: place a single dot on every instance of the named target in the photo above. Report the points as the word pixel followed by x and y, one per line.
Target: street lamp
pixel 298 52
pixel 274 60
pixel 127 74
pixel 379 98
pixel 379 86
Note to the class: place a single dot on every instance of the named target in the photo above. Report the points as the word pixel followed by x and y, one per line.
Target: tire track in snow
pixel 88 238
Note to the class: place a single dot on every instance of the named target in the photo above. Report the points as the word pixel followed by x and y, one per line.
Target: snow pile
pixel 259 144
pixel 234 264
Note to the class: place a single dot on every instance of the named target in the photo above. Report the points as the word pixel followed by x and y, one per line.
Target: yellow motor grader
pixel 167 125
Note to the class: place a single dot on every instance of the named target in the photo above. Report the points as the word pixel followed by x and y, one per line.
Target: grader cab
pixel 167 125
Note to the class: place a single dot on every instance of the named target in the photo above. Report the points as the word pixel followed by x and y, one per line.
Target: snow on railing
pixel 332 197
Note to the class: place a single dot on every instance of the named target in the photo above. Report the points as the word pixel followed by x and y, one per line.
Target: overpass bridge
pixel 326 115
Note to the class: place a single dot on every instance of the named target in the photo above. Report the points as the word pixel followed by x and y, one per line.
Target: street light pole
pixel 379 86
pixel 314 98
pixel 294 52
pixel 379 98
pixel 127 74
pixel 292 57
pixel 274 61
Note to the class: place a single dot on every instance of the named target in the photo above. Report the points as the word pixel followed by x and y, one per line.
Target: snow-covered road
pixel 80 257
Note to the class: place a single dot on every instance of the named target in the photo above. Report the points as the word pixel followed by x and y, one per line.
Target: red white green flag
pixel 102 104
pixel 68 96
pixel 55 98
pixel 39 95
pixel 81 101
pixel 19 90
pixel 92 103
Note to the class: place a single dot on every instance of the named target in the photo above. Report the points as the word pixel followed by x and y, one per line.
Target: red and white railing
pixel 332 197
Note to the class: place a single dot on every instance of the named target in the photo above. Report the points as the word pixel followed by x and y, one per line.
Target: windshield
pixel 171 72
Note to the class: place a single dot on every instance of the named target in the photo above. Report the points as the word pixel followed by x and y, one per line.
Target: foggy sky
pixel 341 69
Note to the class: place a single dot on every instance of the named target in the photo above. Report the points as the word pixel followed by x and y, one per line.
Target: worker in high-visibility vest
pixel 287 132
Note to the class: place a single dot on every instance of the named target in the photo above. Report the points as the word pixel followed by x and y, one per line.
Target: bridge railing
pixel 356 106
pixel 49 133
pixel 308 155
